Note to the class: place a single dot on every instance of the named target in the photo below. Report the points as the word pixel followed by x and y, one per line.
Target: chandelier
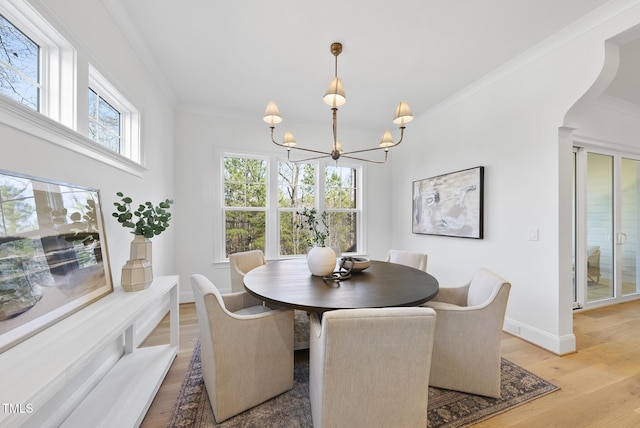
pixel 335 97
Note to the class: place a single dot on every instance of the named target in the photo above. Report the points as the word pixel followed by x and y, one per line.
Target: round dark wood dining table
pixel 289 283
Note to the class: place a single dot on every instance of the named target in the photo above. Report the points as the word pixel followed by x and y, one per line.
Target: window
pixel 37 65
pixel 104 122
pixel 113 122
pixel 19 65
pixel 248 223
pixel 296 190
pixel 341 204
pixel 39 70
pixel 245 204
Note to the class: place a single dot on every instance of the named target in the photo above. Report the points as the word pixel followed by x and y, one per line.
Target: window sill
pixel 34 123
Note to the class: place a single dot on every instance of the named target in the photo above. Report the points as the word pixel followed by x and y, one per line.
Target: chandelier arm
pixel 324 155
pixel 386 154
pixel 365 150
pixel 295 147
pixel 307 150
pixel 378 148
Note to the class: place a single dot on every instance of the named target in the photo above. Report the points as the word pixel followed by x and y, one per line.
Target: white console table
pixel 34 371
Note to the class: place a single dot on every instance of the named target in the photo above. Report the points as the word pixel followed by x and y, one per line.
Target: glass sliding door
pixel 627 238
pixel 599 206
pixel 606 228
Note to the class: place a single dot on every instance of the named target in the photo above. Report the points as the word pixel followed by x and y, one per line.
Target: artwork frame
pixel 450 204
pixel 53 254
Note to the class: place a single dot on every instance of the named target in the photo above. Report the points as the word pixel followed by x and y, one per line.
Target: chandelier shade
pixel 403 114
pixel 386 140
pixel 272 114
pixel 335 97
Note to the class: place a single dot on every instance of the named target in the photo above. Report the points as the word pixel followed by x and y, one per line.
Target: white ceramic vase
pixel 321 261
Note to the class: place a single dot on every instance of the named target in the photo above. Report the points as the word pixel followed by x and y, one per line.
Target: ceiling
pixel 231 58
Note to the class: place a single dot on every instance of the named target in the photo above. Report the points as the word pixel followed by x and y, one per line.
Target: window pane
pixel 296 183
pixel 340 188
pixel 245 182
pixel 18 51
pixel 93 131
pixel 234 195
pixel 104 122
pixel 255 171
pixel 110 141
pixel 93 105
pixel 628 247
pixel 600 218
pixel 109 117
pixel 244 231
pixel 292 239
pixel 19 65
pixel 343 231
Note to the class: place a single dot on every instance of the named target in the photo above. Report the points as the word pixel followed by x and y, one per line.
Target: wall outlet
pixel 533 234
pixel 512 328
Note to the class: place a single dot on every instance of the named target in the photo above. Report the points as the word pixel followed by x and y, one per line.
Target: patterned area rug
pixel 292 409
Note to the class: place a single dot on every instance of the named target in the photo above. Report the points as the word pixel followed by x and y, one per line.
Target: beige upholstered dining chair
pixel 466 351
pixel 408 258
pixel 246 348
pixel 370 367
pixel 241 263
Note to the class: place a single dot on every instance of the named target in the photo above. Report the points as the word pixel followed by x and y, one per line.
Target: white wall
pixel 201 137
pixel 510 122
pixel 99 41
pixel 89 27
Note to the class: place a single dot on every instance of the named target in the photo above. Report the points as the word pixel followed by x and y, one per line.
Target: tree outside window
pixel 341 204
pixel 296 190
pixel 104 122
pixel 254 221
pixel 19 65
pixel 245 204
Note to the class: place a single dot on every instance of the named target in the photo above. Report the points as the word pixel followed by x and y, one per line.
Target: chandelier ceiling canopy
pixel 335 97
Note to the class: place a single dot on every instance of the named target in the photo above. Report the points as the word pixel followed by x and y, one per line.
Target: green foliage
pixel 245 186
pixel 147 220
pixel 308 221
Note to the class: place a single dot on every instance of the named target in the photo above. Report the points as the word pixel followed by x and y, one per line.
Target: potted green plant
pixel 310 223
pixel 320 258
pixel 146 221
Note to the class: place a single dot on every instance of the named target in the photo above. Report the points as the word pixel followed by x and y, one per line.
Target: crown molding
pixel 618 105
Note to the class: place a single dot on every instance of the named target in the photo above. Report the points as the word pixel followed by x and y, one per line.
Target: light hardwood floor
pixel 600 384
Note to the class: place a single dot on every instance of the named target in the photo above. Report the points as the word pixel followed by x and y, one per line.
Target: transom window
pixel 253 220
pixel 19 65
pixel 39 69
pixel 113 122
pixel 104 122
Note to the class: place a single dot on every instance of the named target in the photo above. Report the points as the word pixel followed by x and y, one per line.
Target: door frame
pixel 581 149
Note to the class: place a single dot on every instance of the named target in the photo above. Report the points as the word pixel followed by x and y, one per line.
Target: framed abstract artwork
pixel 53 254
pixel 450 204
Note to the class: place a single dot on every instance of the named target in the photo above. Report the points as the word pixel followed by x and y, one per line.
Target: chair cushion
pixel 253 310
